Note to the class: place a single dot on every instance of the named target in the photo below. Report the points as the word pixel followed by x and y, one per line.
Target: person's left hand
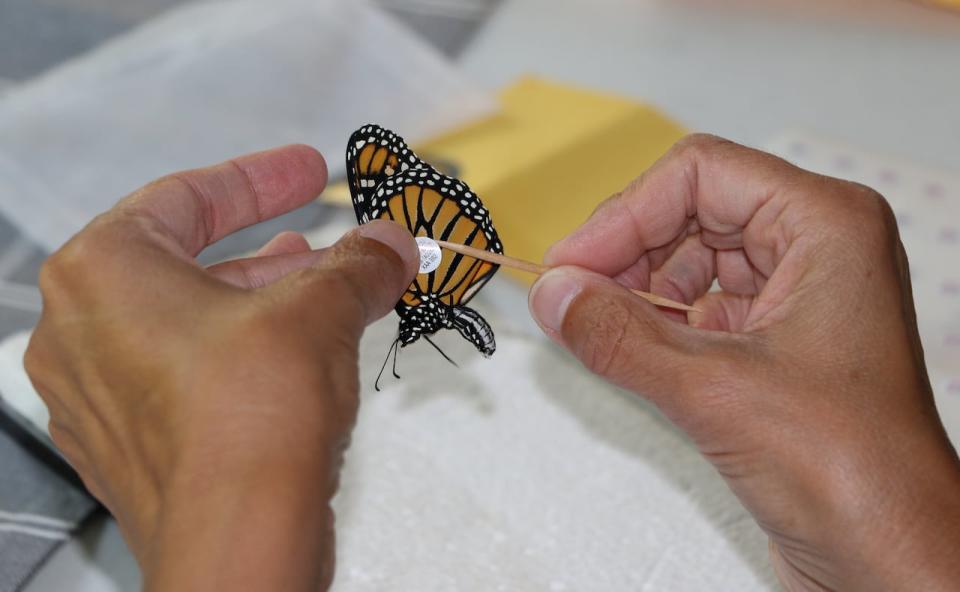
pixel 208 409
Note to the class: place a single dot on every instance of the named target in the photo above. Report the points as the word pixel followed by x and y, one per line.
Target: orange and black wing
pixel 440 207
pixel 374 154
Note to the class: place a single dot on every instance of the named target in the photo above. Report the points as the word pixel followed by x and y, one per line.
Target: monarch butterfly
pixel 388 181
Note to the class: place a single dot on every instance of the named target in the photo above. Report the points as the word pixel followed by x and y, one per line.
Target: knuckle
pixel 32 359
pixel 695 151
pixel 47 276
pixel 56 269
pixel 78 260
pixel 689 151
pixel 43 374
pixel 700 142
pixel 179 182
pixel 876 209
pixel 864 216
pixel 701 148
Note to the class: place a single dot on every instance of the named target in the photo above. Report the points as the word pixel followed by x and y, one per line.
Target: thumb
pixel 617 334
pixel 358 279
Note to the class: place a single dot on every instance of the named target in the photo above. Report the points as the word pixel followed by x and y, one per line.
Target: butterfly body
pixel 388 181
pixel 432 315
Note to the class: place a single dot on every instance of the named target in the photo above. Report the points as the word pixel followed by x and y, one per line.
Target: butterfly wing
pixel 440 207
pixel 373 155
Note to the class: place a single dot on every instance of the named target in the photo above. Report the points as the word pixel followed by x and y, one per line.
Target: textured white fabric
pixel 526 473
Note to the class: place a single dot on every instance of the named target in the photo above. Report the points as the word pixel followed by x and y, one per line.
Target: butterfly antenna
pixel 446 357
pixel 393 346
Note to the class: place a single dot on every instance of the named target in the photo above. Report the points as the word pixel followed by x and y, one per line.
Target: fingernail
pixel 394 236
pixel 549 257
pixel 560 252
pixel 551 296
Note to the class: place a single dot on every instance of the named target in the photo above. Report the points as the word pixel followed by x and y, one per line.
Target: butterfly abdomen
pixel 474 329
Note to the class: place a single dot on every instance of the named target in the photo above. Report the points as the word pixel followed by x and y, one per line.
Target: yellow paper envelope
pixel 548 158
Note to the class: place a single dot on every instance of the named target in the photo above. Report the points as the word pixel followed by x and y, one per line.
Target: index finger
pixel 703 184
pixel 198 207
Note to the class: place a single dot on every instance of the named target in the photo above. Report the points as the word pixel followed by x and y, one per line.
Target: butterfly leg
pixel 442 353
pixel 396 354
pixel 393 349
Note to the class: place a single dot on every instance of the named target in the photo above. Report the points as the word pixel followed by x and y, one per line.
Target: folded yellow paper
pixel 548 158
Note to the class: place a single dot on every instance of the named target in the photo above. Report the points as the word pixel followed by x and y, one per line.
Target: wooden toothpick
pixel 537 269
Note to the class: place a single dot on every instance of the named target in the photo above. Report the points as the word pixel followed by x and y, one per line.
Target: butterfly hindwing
pixel 373 155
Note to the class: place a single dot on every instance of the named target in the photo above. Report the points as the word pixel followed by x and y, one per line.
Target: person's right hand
pixel 802 381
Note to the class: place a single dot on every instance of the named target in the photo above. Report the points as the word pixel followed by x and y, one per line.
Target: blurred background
pixel 529 100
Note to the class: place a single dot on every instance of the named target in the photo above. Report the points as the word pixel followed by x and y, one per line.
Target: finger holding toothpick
pixel 538 269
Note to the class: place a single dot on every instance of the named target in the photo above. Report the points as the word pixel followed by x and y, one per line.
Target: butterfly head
pixel 426 318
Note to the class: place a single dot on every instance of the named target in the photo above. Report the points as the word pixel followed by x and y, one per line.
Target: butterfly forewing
pixel 375 154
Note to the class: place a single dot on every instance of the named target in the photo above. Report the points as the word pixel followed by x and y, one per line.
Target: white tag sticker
pixel 430 254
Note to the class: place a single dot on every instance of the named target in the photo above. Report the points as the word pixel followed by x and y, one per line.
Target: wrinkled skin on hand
pixel 802 380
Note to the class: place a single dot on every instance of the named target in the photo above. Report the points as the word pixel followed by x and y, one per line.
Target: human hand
pixel 208 409
pixel 802 381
